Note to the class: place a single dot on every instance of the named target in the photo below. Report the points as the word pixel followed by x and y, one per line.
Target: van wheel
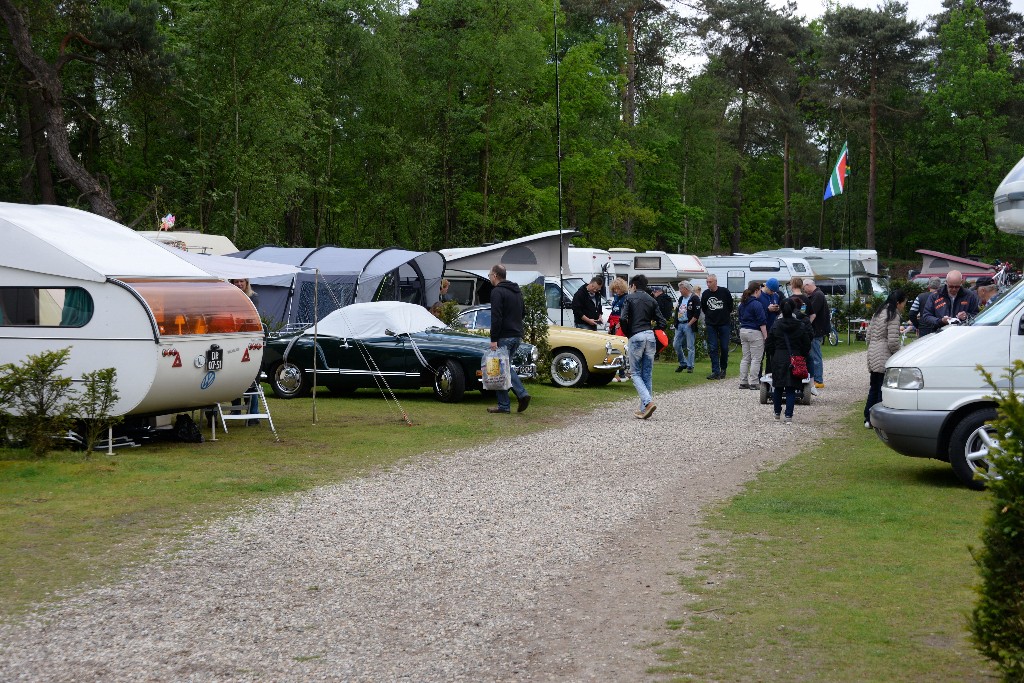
pixel 569 369
pixel 971 447
pixel 289 381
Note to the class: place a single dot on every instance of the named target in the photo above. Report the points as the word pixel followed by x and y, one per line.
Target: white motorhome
pixel 734 272
pixel 178 337
pixel 867 257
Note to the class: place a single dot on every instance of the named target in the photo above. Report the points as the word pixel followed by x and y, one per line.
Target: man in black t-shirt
pixel 716 303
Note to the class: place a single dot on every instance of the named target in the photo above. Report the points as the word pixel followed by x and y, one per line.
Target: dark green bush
pixel 997 623
pixel 98 397
pixel 40 399
pixel 535 327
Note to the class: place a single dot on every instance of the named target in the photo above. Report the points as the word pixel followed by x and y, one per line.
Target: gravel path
pixel 548 557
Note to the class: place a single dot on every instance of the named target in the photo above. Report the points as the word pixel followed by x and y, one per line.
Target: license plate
pixel 214 359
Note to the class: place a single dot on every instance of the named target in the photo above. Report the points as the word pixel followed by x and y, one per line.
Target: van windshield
pixel 1004 306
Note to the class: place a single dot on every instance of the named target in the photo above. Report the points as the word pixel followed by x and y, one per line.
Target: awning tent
pixel 334 277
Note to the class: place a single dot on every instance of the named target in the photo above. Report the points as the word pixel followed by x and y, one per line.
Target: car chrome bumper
pixel 611 363
pixel 910 432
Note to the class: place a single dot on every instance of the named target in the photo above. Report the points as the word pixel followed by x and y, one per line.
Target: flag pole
pixel 558 164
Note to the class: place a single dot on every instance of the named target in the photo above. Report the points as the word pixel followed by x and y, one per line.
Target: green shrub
pixel 98 398
pixel 535 327
pixel 40 399
pixel 997 623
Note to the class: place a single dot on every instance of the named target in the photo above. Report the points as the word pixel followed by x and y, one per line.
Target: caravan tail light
pixel 198 306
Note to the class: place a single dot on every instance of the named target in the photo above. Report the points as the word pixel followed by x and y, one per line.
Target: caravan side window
pixel 38 307
pixel 736 281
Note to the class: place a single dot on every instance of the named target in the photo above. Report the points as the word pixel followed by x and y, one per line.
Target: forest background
pixel 707 127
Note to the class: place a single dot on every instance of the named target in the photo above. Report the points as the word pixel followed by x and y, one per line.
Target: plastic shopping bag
pixel 495 370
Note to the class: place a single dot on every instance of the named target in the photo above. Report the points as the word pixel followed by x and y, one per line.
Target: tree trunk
pixel 869 219
pixel 787 218
pixel 737 176
pixel 50 89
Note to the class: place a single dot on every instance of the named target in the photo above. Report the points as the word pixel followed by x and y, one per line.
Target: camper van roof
pixel 58 240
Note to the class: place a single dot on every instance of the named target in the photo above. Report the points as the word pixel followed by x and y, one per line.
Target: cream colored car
pixel 578 357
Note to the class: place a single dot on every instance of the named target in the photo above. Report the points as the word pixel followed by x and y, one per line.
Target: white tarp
pixel 366 321
pixel 229 268
pixel 57 240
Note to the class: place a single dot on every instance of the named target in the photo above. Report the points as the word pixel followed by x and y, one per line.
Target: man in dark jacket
pixel 917 308
pixel 951 302
pixel 716 303
pixel 586 305
pixel 507 310
pixel 640 317
pixel 821 323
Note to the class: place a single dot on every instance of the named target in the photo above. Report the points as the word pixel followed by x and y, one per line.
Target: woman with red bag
pixel 788 337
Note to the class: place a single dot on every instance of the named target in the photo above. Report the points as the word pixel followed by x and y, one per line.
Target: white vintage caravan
pixel 178 337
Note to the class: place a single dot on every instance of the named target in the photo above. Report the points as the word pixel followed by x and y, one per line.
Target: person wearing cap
pixel 952 302
pixel 769 299
pixel 687 313
pixel 917 308
pixel 986 289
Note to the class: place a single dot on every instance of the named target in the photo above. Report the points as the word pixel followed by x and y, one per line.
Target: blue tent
pixel 332 277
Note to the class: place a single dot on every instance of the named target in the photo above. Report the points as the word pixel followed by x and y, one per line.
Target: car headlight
pixel 903 378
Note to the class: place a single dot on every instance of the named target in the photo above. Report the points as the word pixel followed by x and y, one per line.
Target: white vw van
pixel 935 403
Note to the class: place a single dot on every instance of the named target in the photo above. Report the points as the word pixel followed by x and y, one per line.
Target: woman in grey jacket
pixel 883 341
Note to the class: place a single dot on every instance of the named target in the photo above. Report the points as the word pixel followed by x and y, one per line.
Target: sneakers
pixel 814 391
pixel 680 368
pixel 778 416
pixel 819 385
pixel 616 378
pixel 689 370
pixel 524 403
pixel 639 415
pixel 755 387
pixel 649 410
pixel 787 420
pixel 867 424
pixel 744 385
pixel 496 409
pixel 713 375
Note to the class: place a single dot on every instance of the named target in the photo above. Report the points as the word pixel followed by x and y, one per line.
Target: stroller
pixel 803 393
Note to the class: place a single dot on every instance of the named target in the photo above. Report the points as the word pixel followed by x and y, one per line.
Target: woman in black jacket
pixel 788 337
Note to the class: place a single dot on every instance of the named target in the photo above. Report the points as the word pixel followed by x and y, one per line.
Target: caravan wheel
pixel 289 381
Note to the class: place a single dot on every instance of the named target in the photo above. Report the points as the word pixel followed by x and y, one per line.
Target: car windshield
pixel 997 312
pixel 571 284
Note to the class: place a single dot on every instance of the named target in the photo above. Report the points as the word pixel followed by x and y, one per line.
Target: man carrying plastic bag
pixel 507 310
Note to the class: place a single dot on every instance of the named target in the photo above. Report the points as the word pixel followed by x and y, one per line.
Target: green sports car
pixel 386 344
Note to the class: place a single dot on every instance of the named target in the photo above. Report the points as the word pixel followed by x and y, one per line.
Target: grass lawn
pixel 847 563
pixel 66 521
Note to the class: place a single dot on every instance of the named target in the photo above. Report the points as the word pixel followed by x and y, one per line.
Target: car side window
pixel 483 320
pixel 468 320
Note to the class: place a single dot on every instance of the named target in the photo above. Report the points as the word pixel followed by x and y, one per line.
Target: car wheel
pixel 449 382
pixel 764 393
pixel 569 369
pixel 971 446
pixel 289 381
pixel 600 380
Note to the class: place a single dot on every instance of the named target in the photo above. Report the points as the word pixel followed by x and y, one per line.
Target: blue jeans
pixel 718 347
pixel 790 400
pixel 641 358
pixel 816 368
pixel 683 344
pixel 510 344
